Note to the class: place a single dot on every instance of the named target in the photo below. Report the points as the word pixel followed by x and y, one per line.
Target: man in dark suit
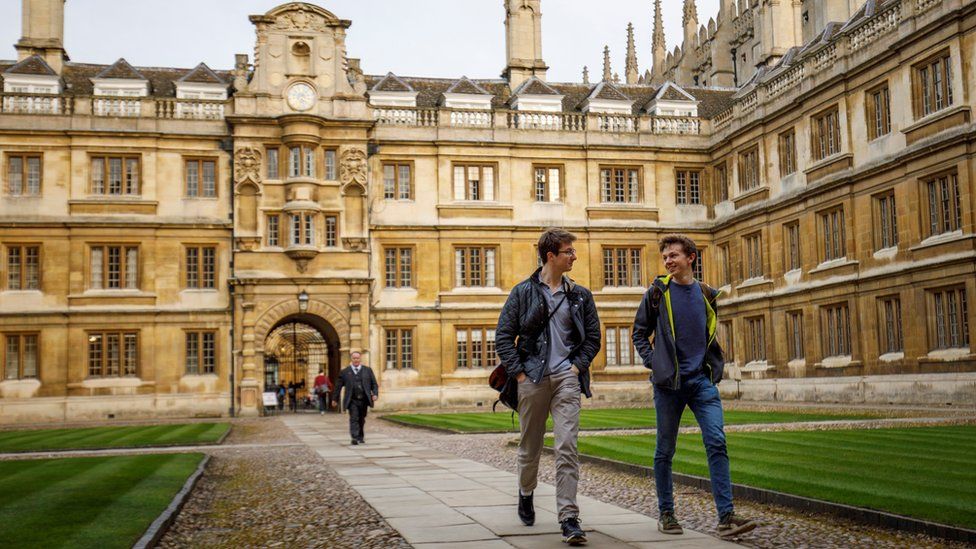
pixel 361 392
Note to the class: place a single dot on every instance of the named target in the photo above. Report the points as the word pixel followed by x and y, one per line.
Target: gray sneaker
pixel 667 524
pixel 733 525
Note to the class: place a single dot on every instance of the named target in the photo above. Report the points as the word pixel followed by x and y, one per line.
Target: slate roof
pixel 121 69
pixel 392 83
pixel 77 77
pixel 201 74
pixel 463 85
pixel 34 64
pixel 534 86
pixel 672 93
pixel 608 91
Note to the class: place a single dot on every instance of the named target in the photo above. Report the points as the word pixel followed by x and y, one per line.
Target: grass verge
pixel 602 418
pixel 923 472
pixel 40 440
pixel 101 502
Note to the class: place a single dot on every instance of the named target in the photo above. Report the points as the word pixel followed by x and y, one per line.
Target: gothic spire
pixel 630 69
pixel 690 14
pixel 607 74
pixel 658 46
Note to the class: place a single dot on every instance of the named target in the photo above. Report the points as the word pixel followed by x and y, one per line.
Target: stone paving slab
pixel 438 500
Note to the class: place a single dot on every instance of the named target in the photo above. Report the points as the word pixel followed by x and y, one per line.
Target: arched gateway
pixel 296 349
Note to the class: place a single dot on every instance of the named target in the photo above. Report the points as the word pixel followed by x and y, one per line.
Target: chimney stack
pixel 523 41
pixel 43 32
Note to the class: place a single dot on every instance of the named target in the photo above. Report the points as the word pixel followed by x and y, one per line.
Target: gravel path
pixel 781 527
pixel 256 496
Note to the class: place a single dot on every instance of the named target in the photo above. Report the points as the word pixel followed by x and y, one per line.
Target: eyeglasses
pixel 571 251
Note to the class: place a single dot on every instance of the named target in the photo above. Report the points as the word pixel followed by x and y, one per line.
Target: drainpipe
pixel 735 69
pixel 228 146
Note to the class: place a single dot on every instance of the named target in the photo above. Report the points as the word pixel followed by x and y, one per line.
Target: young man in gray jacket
pixel 686 365
pixel 547 334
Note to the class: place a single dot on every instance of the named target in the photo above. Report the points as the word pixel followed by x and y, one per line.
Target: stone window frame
pixel 279 231
pixel 925 97
pixel 19 363
pixel 832 233
pixel 102 370
pixel 720 177
pixel 948 322
pixel 618 271
pixel 885 217
pixel 616 344
pixel 123 266
pixel 482 194
pixel 787 152
pixel 463 277
pixel 24 158
pixel 203 366
pixel 200 161
pixel 877 111
pixel 330 227
pixel 464 358
pixel 22 278
pixel 397 166
pixel 608 189
pixel 106 159
pixel 330 167
pixel 825 133
pixel 750 165
pixel 794 335
pixel 891 334
pixel 698 265
pixel 546 169
pixel 398 266
pixel 944 215
pixel 401 360
pixel 725 265
pixel 753 262
pixel 307 161
pixel 686 190
pixel 726 339
pixel 202 280
pixel 277 164
pixel 304 222
pixel 755 332
pixel 792 252
pixel 835 329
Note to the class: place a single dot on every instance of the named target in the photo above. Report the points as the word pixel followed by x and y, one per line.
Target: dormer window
pixel 392 91
pixel 25 81
pixel 671 100
pixel 121 81
pixel 536 95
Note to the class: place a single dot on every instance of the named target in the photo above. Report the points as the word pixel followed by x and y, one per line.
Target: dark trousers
pixel 357 418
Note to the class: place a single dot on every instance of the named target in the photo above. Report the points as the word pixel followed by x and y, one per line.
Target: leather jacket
pixel 522 335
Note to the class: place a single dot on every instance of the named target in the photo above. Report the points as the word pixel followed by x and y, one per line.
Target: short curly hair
pixel 687 245
pixel 551 240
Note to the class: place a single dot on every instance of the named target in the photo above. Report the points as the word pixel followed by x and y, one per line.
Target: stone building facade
pixel 178 241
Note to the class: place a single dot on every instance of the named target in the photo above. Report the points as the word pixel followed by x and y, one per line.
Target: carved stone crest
pixel 352 167
pixel 301 20
pixel 247 165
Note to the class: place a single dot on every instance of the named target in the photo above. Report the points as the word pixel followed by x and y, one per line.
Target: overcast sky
pixel 436 38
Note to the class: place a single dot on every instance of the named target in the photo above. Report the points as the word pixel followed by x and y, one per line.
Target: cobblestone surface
pixel 275 497
pixel 780 526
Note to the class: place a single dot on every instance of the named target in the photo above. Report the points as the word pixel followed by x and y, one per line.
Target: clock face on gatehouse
pixel 301 96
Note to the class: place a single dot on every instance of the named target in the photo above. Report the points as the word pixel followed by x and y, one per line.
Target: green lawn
pixel 924 472
pixel 605 418
pixel 87 502
pixel 111 437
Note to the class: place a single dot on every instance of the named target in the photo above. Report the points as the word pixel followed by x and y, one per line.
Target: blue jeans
pixel 699 394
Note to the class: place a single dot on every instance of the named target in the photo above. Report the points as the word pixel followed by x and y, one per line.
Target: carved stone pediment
pixel 304 18
pixel 352 168
pixel 247 165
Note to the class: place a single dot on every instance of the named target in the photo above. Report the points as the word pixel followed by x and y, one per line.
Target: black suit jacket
pixel 347 378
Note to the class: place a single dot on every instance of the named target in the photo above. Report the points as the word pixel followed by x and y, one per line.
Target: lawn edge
pixel 158 528
pixel 218 442
pixel 862 515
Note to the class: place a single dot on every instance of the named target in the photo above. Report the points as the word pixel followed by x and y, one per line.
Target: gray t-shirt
pixel 560 330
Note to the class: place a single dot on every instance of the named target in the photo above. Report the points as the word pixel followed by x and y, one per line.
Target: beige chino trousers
pixel 559 395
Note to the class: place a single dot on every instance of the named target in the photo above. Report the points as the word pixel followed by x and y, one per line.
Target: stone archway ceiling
pixel 279 342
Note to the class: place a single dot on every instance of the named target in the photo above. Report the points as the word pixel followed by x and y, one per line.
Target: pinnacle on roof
pixel 607 73
pixel 463 85
pixel 34 64
pixel 689 14
pixel 121 69
pixel 630 69
pixel 392 83
pixel 201 74
pixel 586 75
pixel 658 39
